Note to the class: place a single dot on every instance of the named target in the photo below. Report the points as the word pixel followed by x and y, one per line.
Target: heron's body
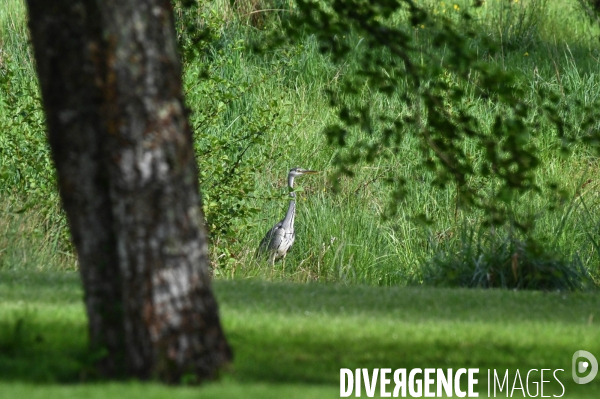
pixel 280 238
pixel 278 241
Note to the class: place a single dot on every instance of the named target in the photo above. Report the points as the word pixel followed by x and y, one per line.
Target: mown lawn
pixel 291 340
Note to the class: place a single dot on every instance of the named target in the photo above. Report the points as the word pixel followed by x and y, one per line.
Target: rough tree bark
pixel 111 85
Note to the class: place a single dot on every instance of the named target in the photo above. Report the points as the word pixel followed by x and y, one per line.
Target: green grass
pixel 17 232
pixel 291 339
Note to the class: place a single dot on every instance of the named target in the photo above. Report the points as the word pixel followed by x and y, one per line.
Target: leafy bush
pixel 27 175
pixel 491 261
pixel 25 165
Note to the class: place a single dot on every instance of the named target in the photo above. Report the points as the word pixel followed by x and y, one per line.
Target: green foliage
pixel 27 175
pixel 226 129
pixel 492 261
pixel 432 95
pixel 591 9
pixel 25 164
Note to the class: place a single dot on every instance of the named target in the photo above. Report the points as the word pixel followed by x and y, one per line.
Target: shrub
pixel 491 261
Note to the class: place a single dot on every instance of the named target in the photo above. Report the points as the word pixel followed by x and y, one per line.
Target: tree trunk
pixel 111 85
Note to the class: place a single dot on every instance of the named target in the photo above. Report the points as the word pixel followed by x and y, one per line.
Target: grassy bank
pixel 292 339
pixel 340 236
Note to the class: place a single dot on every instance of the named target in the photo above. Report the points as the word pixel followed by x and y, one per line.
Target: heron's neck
pixel 288 221
pixel 291 185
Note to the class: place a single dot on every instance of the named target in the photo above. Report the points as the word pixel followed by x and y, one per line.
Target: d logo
pixel 583 366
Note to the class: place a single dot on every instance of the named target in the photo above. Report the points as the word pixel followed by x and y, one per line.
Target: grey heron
pixel 280 238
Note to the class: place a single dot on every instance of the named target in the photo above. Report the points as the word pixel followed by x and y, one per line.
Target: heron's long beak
pixel 310 172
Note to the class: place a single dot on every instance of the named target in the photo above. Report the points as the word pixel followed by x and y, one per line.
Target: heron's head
pixel 299 172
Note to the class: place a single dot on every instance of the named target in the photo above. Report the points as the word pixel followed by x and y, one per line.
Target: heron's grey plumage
pixel 280 238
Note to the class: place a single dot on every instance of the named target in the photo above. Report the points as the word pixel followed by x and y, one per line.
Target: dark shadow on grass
pixel 43 331
pixel 43 351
